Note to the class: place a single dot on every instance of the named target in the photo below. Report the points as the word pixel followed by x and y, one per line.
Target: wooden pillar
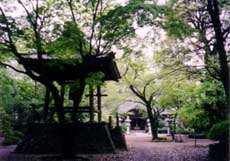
pixel 99 102
pixel 46 104
pixel 62 93
pixel 110 122
pixel 91 105
pixel 117 120
pixel 76 96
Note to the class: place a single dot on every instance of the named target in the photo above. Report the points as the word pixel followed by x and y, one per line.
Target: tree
pixel 147 94
pixel 16 97
pixel 60 34
pixel 202 104
pixel 66 41
pixel 209 21
pixel 176 92
pixel 213 10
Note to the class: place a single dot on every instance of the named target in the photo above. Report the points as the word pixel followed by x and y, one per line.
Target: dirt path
pixel 146 150
pixel 5 150
pixel 140 149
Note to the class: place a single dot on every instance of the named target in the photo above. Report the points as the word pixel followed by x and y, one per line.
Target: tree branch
pixel 95 12
pixel 75 22
pixel 137 93
pixel 27 12
pixel 9 34
pixel 34 23
pixel 11 67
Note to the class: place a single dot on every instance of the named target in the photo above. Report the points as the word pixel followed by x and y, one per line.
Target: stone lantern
pixel 169 121
pixel 128 125
pixel 149 126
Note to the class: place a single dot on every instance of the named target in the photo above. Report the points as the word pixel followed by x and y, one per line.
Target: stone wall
pixel 75 138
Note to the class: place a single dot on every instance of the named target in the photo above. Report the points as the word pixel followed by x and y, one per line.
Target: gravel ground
pixel 141 148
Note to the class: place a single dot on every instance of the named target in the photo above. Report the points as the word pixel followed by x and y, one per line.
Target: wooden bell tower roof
pixel 64 71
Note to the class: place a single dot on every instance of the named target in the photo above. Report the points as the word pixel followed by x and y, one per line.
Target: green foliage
pixel 6 129
pixel 121 19
pixel 176 91
pixel 181 96
pixel 70 43
pixel 176 27
pixel 220 131
pixel 95 79
pixel 200 106
pixel 115 91
pixel 194 117
pixel 16 97
pixel 212 95
pixel 127 12
pixel 12 138
pixel 198 135
pixel 206 106
pixel 123 127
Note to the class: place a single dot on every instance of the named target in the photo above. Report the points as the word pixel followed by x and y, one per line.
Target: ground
pixel 141 148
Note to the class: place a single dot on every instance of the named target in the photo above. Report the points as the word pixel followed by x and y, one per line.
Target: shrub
pixel 219 131
pixel 162 130
pixel 123 128
pixel 182 130
pixel 197 135
pixel 219 151
pixel 12 138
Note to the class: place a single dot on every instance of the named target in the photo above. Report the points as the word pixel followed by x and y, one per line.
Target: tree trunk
pixel 66 132
pixel 155 128
pixel 57 102
pixel 153 122
pixel 77 99
pixel 62 94
pixel 174 127
pixel 46 104
pixel 213 10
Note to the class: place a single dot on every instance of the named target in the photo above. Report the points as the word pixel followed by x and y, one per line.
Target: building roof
pixel 69 70
pixel 127 106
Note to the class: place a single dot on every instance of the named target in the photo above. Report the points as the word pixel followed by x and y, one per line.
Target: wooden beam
pixel 62 93
pixel 99 102
pixel 91 104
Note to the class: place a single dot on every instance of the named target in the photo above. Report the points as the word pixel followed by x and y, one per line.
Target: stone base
pixel 70 138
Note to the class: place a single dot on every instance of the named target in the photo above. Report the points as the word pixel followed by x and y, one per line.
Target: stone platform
pixel 77 138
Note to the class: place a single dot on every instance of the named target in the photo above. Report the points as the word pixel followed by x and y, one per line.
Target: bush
pixel 161 124
pixel 219 131
pixel 12 138
pixel 123 127
pixel 162 130
pixel 182 131
pixel 219 151
pixel 197 135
